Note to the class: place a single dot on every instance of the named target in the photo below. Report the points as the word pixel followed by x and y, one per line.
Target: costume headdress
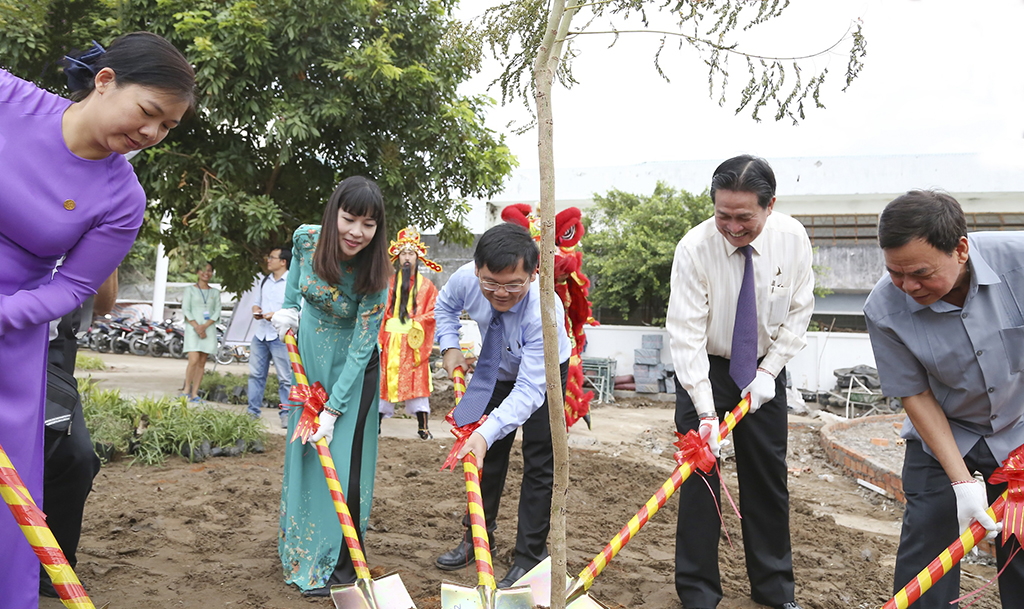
pixel 409 241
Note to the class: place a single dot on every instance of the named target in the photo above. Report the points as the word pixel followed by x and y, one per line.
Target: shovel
pixel 33 524
pixel 486 594
pixel 691 456
pixel 387 592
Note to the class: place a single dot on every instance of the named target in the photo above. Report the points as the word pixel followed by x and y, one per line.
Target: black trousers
pixel 538 477
pixel 345 571
pixel 70 466
pixel 930 524
pixel 760 440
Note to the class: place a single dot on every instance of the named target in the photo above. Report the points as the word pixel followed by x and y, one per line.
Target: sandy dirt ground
pixel 205 535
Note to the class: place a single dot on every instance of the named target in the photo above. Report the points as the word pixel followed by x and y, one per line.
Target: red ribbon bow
pixel 313 397
pixel 694 450
pixel 1012 472
pixel 461 435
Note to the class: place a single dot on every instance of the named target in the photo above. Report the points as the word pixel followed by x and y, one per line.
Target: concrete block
pixel 651 357
pixel 647 388
pixel 651 341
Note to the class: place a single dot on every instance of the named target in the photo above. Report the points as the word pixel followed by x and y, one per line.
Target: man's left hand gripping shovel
pixel 486 594
pixel 387 592
pixel 33 524
pixel 693 454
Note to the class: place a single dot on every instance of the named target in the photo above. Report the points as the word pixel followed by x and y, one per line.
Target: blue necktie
pixel 743 360
pixel 481 386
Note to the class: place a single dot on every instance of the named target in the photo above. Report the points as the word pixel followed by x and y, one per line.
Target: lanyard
pixel 204 293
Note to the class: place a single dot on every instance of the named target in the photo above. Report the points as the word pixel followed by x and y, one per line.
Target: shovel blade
pixel 515 597
pixel 387 592
pixel 539 581
pixel 454 596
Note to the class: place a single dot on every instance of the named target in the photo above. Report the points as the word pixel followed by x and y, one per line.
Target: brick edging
pixel 858 465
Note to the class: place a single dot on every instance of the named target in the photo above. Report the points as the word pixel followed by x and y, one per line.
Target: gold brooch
pixel 69 204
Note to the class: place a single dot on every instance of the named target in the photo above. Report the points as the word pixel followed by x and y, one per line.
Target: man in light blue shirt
pixel 502 279
pixel 947 330
pixel 268 296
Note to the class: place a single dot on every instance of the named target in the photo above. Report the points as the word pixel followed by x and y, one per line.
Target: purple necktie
pixel 743 361
pixel 481 386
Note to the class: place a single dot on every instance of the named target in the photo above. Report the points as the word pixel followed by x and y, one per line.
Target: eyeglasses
pixel 272 257
pixel 511 288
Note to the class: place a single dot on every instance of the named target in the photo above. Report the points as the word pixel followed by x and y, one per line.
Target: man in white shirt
pixel 708 275
pixel 268 297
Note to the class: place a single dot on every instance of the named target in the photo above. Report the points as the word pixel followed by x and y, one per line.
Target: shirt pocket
pixel 778 305
pixel 1013 343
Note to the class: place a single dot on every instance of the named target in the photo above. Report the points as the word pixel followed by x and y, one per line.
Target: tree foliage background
pixel 630 242
pixel 293 95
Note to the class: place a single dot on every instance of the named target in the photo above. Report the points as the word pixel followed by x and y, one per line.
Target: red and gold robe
pixel 405 348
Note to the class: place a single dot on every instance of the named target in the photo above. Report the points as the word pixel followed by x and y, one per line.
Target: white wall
pixel 811 369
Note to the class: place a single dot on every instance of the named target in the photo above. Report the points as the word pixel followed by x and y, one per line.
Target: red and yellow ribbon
pixel 461 433
pixel 944 562
pixel 33 524
pixel 695 455
pixel 1012 472
pixel 314 399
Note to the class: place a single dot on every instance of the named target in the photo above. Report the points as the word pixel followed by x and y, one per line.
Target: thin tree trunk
pixel 544 70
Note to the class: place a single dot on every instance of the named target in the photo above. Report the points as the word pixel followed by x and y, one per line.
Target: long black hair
pixel 358 196
pixel 139 58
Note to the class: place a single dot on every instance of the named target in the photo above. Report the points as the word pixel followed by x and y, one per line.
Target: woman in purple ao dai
pixel 70 208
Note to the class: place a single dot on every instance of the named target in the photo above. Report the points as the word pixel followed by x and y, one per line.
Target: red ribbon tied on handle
pixel 313 397
pixel 1012 472
pixel 461 435
pixel 694 450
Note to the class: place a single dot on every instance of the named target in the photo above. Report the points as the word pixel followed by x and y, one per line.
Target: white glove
pixel 284 320
pixel 326 429
pixel 761 390
pixel 971 504
pixel 710 423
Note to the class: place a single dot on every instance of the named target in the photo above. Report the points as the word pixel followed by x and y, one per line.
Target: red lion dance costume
pixel 572 287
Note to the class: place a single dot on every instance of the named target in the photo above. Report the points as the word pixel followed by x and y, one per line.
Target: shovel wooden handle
pixel 33 524
pixel 655 503
pixel 477 523
pixel 348 528
pixel 944 562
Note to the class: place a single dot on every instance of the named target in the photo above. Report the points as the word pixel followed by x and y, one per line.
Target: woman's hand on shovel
pixel 475 444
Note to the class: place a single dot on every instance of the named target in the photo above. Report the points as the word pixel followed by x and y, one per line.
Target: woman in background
pixel 200 305
pixel 341 270
pixel 69 197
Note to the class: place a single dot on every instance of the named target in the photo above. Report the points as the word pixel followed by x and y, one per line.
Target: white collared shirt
pixel 706 275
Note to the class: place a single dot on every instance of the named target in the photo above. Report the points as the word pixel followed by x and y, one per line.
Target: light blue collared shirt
pixel 971 356
pixel 269 296
pixel 522 354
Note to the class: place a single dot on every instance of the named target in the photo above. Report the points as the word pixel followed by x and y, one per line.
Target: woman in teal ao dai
pixel 340 270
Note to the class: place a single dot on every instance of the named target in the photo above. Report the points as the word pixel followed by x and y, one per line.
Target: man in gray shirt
pixel 947 330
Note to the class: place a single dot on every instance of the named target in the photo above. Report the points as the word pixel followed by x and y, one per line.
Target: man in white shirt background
pixel 268 296
pixel 745 269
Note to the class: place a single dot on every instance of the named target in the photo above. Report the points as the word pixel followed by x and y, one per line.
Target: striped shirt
pixel 706 275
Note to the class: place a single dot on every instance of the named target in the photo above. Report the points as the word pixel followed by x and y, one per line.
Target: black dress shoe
pixel 458 558
pixel 513 575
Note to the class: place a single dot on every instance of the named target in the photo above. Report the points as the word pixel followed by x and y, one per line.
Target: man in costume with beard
pixel 407 332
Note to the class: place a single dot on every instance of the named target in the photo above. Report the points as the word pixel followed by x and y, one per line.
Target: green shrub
pixel 151 428
pixel 228 382
pixel 89 362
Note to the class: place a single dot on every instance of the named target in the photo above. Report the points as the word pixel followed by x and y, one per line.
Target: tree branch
pixel 727 48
